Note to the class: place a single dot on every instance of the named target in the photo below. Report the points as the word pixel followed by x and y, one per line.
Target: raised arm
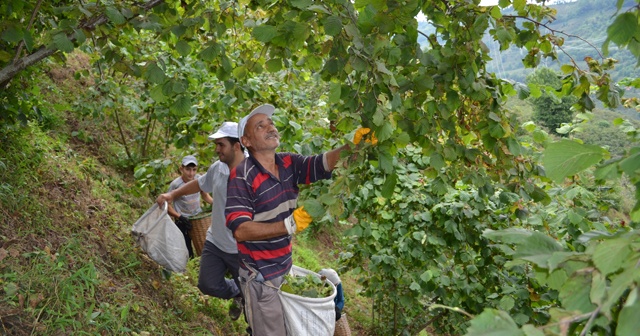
pixel 333 156
pixel 187 189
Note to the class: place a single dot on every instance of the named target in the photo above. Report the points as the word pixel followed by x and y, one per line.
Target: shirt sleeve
pixel 240 200
pixel 310 169
pixel 206 181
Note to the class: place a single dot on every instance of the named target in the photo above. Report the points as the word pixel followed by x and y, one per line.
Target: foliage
pixel 309 286
pixel 550 110
pixel 596 285
pixel 583 26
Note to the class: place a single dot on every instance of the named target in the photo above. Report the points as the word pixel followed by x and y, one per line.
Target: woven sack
pixel 304 316
pixel 342 327
pixel 199 225
pixel 160 238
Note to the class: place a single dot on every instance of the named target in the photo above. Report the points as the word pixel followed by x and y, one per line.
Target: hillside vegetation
pixel 583 26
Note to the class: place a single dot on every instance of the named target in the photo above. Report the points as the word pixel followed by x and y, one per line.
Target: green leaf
pixel 265 33
pixel 631 164
pixel 274 65
pixel 504 3
pixel 566 158
pixel 5 56
pixel 62 42
pixel 334 93
pixel 178 86
pixel 629 318
pixel 493 322
pixel 503 35
pixel 332 25
pixel 623 28
pixel 209 53
pixel 619 285
pixel 531 330
pixel 574 294
pixel 240 72
pixel 556 279
pixel 314 208
pixel 529 245
pixel 183 48
pixel 506 303
pixel 154 74
pixel 519 4
pixel 389 185
pixel 12 34
pixel 302 4
pixel 598 288
pixel 386 161
pixel 611 254
pixel 495 12
pixel 182 105
pixel 608 171
pixel 114 15
pixel 436 161
pixel 157 95
pixel 426 276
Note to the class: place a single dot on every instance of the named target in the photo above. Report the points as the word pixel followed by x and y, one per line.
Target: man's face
pixel 260 133
pixel 225 151
pixel 188 172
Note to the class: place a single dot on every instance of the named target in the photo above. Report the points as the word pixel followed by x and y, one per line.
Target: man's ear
pixel 246 141
pixel 237 146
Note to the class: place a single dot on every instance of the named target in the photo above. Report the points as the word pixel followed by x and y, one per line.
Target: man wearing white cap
pixel 220 252
pixel 261 212
pixel 187 205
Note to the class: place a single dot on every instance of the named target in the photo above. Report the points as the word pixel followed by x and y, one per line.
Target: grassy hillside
pixel 68 263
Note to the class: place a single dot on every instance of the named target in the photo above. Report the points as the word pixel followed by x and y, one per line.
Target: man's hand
pixel 331 275
pixel 298 221
pixel 163 198
pixel 183 223
pixel 360 132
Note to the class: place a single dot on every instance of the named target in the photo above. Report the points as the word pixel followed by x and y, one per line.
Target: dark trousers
pixel 214 264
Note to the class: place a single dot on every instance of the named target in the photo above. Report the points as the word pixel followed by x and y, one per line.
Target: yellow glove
pixel 298 221
pixel 360 132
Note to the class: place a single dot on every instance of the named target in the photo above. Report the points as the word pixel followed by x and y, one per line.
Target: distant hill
pixel 587 19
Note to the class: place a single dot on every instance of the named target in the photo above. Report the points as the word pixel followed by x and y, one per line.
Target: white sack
pixel 161 239
pixel 308 316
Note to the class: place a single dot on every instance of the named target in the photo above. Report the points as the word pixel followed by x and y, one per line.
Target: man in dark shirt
pixel 261 212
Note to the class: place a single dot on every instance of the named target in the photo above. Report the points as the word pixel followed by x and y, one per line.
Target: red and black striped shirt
pixel 254 194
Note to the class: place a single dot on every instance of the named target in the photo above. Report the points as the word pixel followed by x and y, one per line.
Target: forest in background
pixel 583 23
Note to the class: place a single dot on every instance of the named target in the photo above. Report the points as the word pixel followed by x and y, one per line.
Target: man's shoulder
pixel 245 166
pixel 176 182
pixel 219 167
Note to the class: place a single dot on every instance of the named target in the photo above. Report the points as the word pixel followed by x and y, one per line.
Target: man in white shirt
pixel 220 252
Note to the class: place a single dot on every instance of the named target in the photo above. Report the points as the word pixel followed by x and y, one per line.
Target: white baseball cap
pixel 189 159
pixel 267 109
pixel 229 129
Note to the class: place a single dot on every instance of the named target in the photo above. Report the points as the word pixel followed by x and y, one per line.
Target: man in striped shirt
pixel 261 212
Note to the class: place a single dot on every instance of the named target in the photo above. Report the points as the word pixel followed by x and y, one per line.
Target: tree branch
pixel 13 68
pixel 554 31
pixel 33 17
